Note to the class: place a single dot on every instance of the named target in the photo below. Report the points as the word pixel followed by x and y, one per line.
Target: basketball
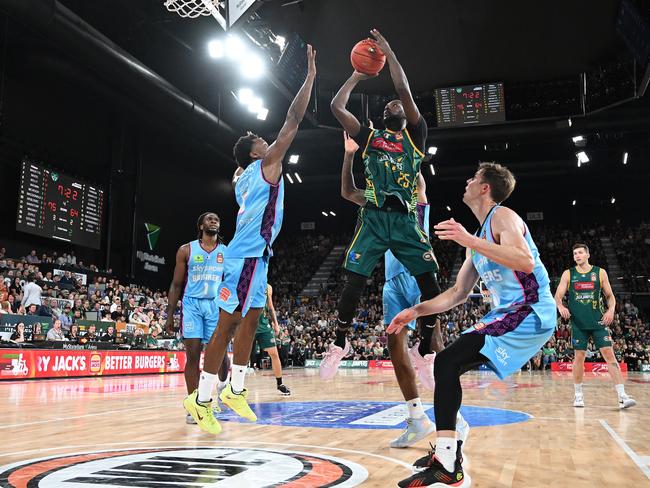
pixel 367 58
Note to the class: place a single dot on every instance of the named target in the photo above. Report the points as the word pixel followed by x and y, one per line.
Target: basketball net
pixel 191 9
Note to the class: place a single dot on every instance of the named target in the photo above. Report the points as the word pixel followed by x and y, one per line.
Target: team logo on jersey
pixel 354 257
pixel 220 258
pixel 428 256
pixel 185 466
pixel 224 294
pixel 198 258
pixel 399 136
pixel 593 277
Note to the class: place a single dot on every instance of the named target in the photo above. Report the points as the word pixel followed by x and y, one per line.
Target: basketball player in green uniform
pixel 586 285
pixel 265 337
pixel 388 220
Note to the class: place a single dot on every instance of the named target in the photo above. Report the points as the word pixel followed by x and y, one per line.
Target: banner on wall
pixel 40 363
pixel 34 325
pixel 345 364
pixel 147 246
pixel 589 367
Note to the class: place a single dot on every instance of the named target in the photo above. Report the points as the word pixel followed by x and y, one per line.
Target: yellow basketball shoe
pixel 237 402
pixel 202 413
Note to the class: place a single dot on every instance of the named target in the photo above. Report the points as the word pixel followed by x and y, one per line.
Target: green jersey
pixel 585 299
pixel 391 163
pixel 263 323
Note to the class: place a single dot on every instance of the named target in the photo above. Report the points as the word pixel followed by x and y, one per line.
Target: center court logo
pixel 196 467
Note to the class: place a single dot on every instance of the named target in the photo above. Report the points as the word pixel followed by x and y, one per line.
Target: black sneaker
pixel 437 475
pixel 283 390
pixel 425 461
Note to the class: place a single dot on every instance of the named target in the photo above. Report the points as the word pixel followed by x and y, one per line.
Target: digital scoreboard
pixel 54 205
pixel 470 105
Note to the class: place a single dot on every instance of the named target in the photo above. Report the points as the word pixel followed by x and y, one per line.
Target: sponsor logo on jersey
pixel 354 257
pixel 584 285
pixel 502 355
pixel 220 258
pixel 428 256
pixel 198 258
pixel 399 136
pixel 224 294
pixel 384 145
pixel 594 277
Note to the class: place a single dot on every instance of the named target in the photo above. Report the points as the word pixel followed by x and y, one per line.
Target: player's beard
pixel 210 232
pixel 393 122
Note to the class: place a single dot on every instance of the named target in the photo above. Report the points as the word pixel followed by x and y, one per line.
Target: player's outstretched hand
pixel 311 60
pixel 450 230
pixel 401 320
pixel 359 76
pixel 350 144
pixel 381 41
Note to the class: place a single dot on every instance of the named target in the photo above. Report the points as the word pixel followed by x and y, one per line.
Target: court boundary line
pixel 636 459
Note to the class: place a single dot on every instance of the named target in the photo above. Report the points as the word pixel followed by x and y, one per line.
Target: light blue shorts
pixel 244 284
pixel 399 293
pixel 513 336
pixel 199 317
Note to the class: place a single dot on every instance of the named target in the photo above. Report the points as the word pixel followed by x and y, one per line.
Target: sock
pixel 578 388
pixel 341 332
pixel 279 380
pixel 426 325
pixel 206 383
pixel 415 408
pixel 237 376
pixel 222 384
pixel 446 452
pixel 461 423
pixel 620 389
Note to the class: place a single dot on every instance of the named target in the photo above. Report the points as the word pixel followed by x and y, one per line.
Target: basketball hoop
pixel 192 9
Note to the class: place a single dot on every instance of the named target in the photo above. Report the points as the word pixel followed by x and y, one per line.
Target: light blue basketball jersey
pixel 204 271
pixel 261 210
pixel 392 267
pixel 510 289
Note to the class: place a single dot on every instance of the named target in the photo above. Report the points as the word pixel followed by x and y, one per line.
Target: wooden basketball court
pixel 558 445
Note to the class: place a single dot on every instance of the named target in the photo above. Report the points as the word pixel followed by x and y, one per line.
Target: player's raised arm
pixel 272 164
pixel 400 81
pixel 350 123
pixel 349 190
pixel 176 287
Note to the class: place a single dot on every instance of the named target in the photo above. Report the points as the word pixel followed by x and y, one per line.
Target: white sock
pixel 446 452
pixel 415 408
pixel 206 384
pixel 578 388
pixel 237 375
pixel 461 423
pixel 620 389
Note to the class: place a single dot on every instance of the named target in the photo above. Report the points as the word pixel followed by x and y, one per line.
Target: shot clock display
pixel 51 204
pixel 470 105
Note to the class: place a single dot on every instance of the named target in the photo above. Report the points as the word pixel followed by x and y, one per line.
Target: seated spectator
pixel 73 333
pixel 67 280
pixel 109 336
pixel 46 309
pixel 549 354
pixel 152 339
pixel 78 315
pixel 139 341
pixel 5 307
pixel 19 333
pixel 33 309
pixel 56 332
pixel 91 334
pixel 66 317
pixel 32 258
pixel 139 317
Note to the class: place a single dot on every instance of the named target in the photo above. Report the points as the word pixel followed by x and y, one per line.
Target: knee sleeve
pixel 428 284
pixel 350 296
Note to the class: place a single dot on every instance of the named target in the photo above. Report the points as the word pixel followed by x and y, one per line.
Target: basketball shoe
pixel 332 359
pixel 201 413
pixel 416 430
pixel 284 390
pixel 237 403
pixel 424 365
pixel 436 475
pixel 626 401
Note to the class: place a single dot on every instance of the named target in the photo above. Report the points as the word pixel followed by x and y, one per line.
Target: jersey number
pixel 205 288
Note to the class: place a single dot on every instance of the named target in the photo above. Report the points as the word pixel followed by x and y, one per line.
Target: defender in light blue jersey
pixel 259 190
pixel 523 316
pixel 197 276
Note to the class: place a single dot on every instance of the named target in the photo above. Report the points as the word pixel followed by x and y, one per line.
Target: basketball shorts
pixel 513 336
pixel 580 338
pixel 380 230
pixel 199 318
pixel 244 284
pixel 265 336
pixel 399 293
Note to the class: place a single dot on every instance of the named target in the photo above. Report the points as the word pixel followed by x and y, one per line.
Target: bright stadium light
pixel 262 113
pixel 293 159
pixel 298 177
pixel 215 49
pixel 234 47
pixel 255 105
pixel 577 139
pixel 448 208
pixel 332 214
pixel 613 200
pixel 574 203
pixel 432 150
pixel 281 41
pixel 625 158
pixel 289 178
pixel 325 214
pixel 582 157
pixel 433 171
pixel 245 95
pixel 252 66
